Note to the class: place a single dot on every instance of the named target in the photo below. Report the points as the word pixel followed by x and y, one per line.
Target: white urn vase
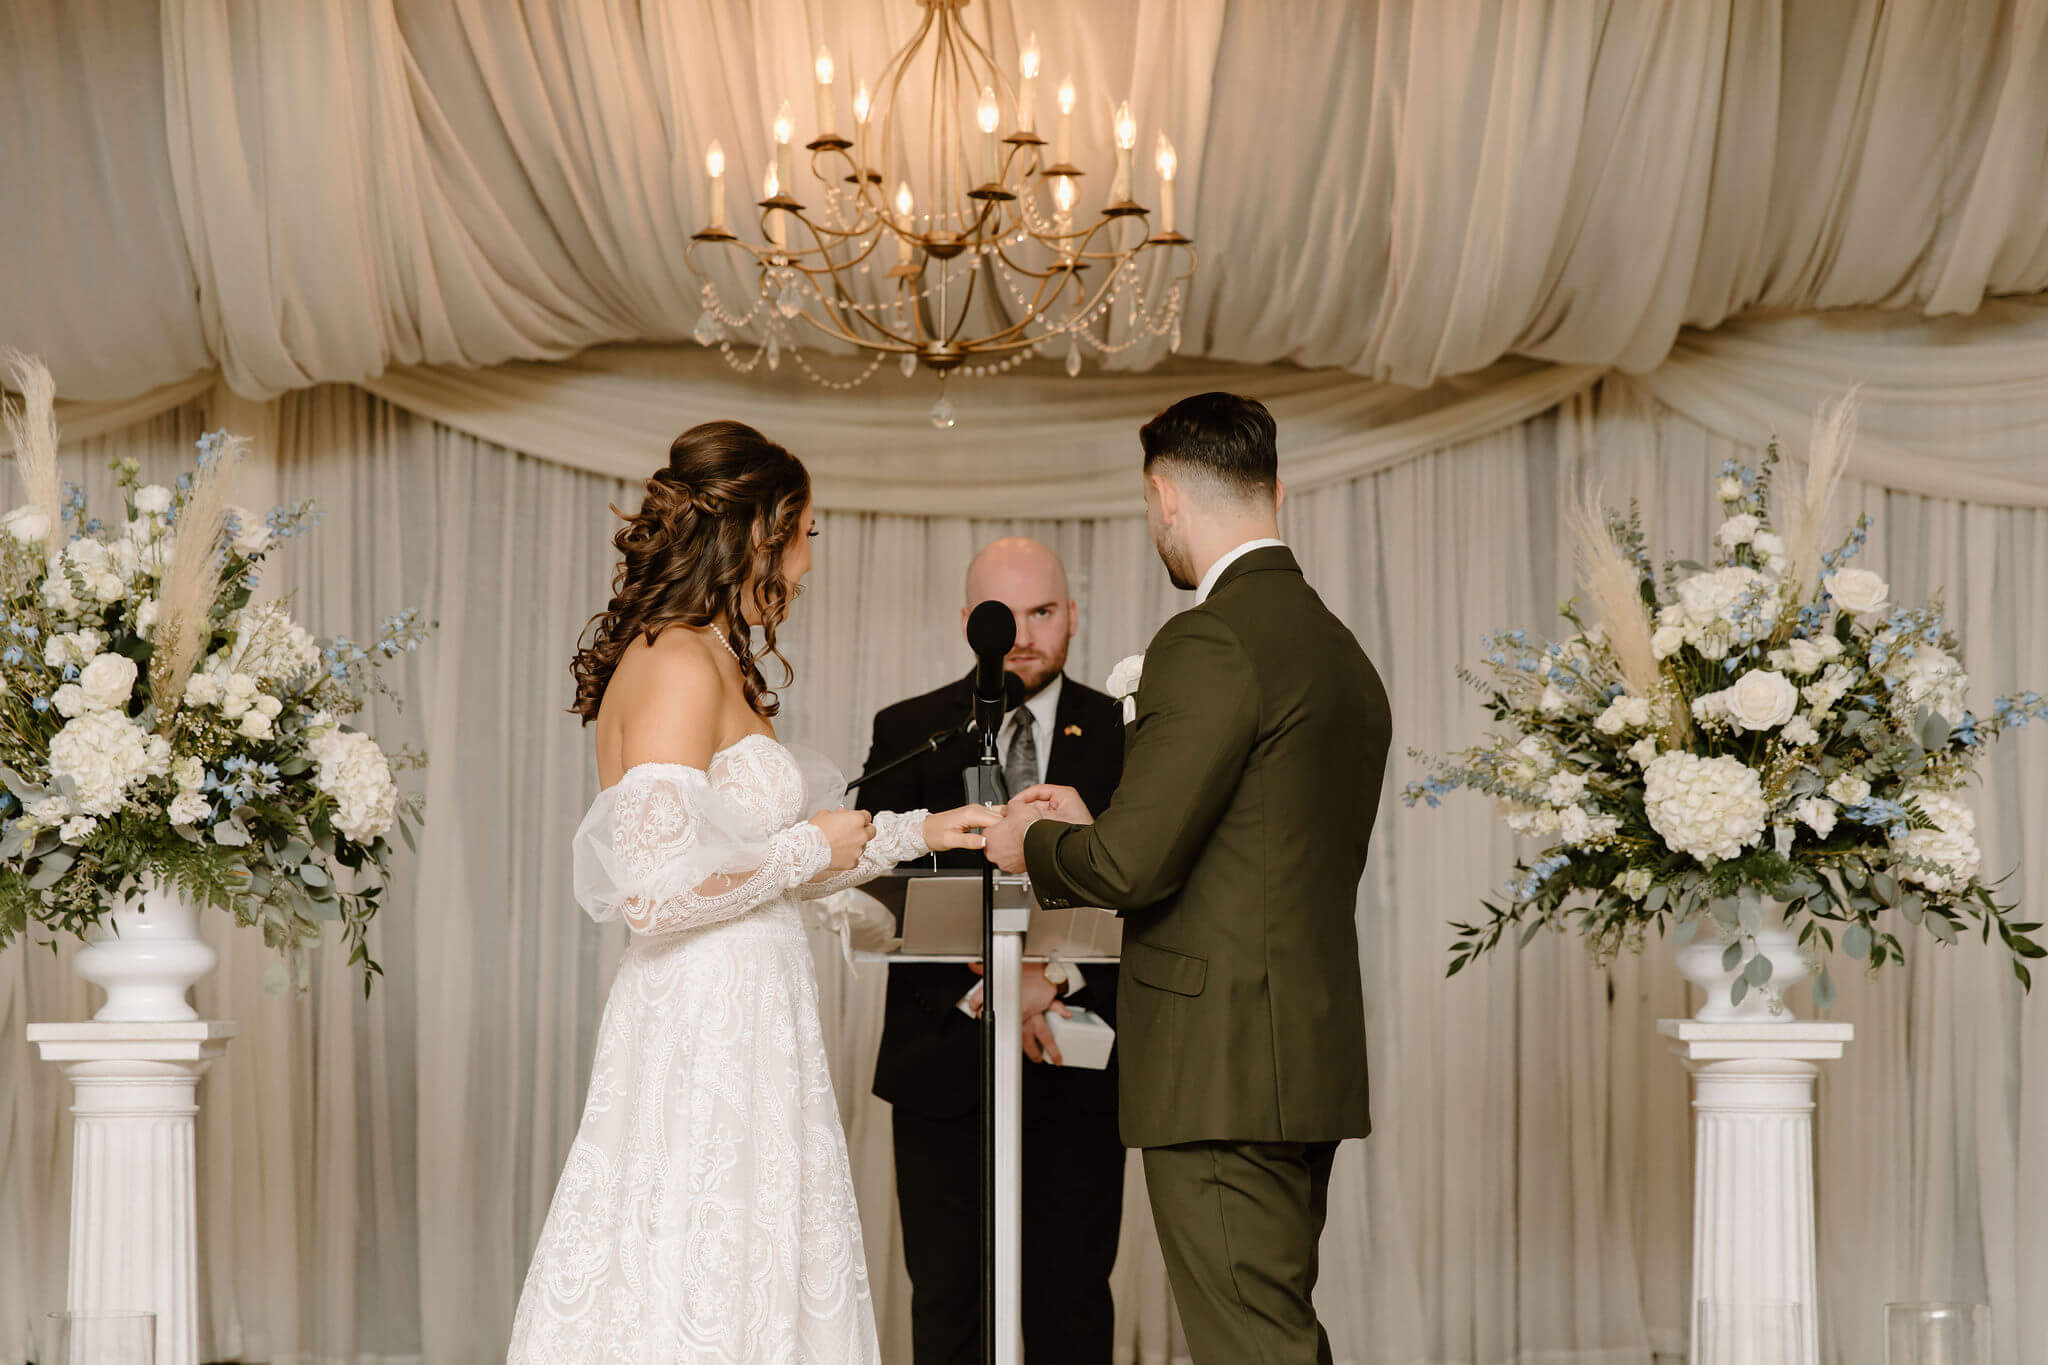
pixel 1704 963
pixel 146 955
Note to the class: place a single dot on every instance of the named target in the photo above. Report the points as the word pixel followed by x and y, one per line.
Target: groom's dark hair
pixel 1225 435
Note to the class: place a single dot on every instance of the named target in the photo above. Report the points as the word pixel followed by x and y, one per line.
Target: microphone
pixel 991 631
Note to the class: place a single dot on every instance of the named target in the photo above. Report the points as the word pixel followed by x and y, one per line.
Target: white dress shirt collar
pixel 1208 584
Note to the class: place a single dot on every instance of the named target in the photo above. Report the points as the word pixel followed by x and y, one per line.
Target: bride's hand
pixel 848 831
pixel 960 828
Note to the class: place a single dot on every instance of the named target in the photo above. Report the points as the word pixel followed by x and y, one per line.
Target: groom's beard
pixel 1179 571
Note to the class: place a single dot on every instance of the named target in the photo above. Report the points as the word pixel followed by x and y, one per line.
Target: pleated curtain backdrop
pixel 374 1172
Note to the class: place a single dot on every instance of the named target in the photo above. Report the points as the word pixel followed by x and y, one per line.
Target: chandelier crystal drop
pixel 1003 261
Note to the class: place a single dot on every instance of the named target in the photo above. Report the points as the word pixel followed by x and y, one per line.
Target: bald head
pixel 1028 578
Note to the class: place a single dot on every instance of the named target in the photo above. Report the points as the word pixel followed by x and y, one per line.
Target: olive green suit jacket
pixel 1233 849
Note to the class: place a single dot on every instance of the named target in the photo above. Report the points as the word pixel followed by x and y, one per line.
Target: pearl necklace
pixel 726 640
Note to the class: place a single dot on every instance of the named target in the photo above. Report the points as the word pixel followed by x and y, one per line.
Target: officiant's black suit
pixel 929 1070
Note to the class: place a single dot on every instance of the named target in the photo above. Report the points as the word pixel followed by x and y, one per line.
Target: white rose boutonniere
pixel 1123 684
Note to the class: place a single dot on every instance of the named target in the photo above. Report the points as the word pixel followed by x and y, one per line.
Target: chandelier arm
pixel 954 327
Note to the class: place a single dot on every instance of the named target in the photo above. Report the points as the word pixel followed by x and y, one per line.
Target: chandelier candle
pixel 1168 164
pixel 714 167
pixel 771 187
pixel 824 93
pixel 1027 88
pixel 861 106
pixel 904 204
pixel 1126 139
pixel 988 114
pixel 785 174
pixel 1063 151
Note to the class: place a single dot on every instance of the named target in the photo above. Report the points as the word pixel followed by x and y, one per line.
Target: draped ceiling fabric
pixel 310 192
pixel 1522 245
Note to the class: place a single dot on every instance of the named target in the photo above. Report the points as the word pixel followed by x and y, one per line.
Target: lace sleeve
pixel 899 837
pixel 665 851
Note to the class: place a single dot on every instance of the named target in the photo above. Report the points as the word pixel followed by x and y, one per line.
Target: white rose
pixel 1737 530
pixel 252 537
pixel 1799 730
pixel 153 498
pixel 106 586
pixel 1536 751
pixel 1123 679
pixel 237 695
pixel 189 808
pixel 1642 751
pixel 269 706
pixel 1667 641
pixel 255 724
pixel 1830 647
pixel 1772 548
pixel 1849 790
pixel 26 524
pixel 1623 713
pixel 1635 883
pixel 189 773
pixel 145 614
pixel 1710 808
pixel 1817 813
pixel 1730 488
pixel 1857 590
pixel 1574 826
pixel 109 681
pixel 1804 656
pixel 1553 701
pixel 1761 700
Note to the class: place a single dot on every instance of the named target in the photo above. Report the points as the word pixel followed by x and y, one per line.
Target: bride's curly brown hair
pixel 719 517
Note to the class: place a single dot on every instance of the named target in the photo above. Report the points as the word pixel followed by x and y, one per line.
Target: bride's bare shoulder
pixel 664 701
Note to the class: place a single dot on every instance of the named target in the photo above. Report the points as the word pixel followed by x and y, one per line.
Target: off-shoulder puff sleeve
pixel 665 850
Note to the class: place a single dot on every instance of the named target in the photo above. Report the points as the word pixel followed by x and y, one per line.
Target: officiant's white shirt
pixel 1040 709
pixel 1230 557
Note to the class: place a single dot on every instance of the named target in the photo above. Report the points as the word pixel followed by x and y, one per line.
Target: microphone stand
pixel 936 741
pixel 985 784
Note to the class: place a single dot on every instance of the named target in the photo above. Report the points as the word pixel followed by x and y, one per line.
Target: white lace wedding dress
pixel 706 1211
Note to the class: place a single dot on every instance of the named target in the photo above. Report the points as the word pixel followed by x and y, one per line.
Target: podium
pixel 944 927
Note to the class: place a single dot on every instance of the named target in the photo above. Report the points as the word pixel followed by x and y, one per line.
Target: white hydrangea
pixel 1537 820
pixel 103 753
pixel 1933 678
pixel 1817 813
pixel 353 770
pixel 1642 751
pixel 1708 602
pixel 1623 713
pixel 1952 843
pixel 72 647
pixel 270 646
pixel 1711 808
pixel 1565 788
pixel 154 499
pixel 1737 530
pixel 1581 828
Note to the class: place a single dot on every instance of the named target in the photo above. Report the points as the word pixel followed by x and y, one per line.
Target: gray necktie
pixel 1020 767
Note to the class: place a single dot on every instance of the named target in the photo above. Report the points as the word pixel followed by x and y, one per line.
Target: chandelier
pixel 994 260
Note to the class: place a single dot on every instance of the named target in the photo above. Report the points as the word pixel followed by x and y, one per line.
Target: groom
pixel 1233 849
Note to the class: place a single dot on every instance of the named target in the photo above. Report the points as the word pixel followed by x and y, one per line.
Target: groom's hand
pixel 1057 803
pixel 1005 839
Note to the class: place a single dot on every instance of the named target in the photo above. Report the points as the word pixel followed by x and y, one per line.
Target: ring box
pixel 1084 1040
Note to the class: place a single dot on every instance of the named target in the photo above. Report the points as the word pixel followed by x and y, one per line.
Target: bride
pixel 706 1209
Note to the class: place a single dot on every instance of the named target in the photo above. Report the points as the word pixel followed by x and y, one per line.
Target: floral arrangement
pixel 1768 728
pixel 159 726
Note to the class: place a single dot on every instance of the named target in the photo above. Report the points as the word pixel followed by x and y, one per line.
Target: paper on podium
pixel 940 915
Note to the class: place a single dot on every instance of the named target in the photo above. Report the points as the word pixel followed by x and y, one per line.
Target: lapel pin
pixel 1074 730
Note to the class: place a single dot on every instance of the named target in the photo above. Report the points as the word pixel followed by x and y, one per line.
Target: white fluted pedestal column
pixel 1752 1208
pixel 134 1214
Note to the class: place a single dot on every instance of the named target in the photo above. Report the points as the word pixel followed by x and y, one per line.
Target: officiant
pixel 929 1064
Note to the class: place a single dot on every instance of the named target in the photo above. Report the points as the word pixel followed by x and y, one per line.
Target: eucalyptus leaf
pixel 1856 941
pixel 1934 731
pixel 25 790
pixel 1886 886
pixel 1750 911
pixel 231 833
pixel 406 830
pixel 1824 990
pixel 1854 873
pixel 1941 926
pixel 1758 971
pixel 1912 907
pixel 50 871
pixel 312 874
pixel 1738 990
pixel 14 841
pixel 1684 933
pixel 1652 903
pixel 1724 910
pixel 1732 959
